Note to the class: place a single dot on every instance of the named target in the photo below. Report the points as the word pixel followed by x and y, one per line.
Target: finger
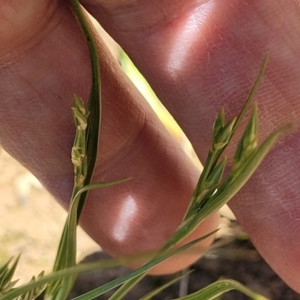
pixel 202 55
pixel 45 62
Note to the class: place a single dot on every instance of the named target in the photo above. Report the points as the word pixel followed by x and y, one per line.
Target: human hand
pixel 198 56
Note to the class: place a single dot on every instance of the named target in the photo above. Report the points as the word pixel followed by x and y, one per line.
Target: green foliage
pixel 6 275
pixel 212 191
pixel 166 285
pixel 83 154
pixel 218 288
pixel 73 271
pixel 6 283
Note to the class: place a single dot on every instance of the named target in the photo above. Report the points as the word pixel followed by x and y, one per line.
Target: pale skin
pixel 198 56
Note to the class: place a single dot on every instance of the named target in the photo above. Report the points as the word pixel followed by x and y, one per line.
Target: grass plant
pixel 212 192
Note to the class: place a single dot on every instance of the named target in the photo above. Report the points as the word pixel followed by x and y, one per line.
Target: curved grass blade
pixel 126 287
pixel 220 287
pixel 39 282
pixel 139 272
pixel 67 259
pixel 66 255
pixel 94 104
pixel 101 265
pixel 163 287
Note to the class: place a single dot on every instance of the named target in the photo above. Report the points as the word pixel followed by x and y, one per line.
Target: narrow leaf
pixel 234 183
pixel 126 287
pixel 219 122
pixel 101 265
pixel 66 255
pixel 139 272
pixel 163 287
pixel 252 93
pixel 219 288
pixel 7 274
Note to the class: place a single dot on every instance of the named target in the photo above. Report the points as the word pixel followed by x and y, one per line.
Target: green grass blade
pixel 3 269
pixel 236 181
pixel 35 292
pixel 163 287
pixel 93 186
pixel 16 292
pixel 227 190
pixel 220 287
pixel 7 273
pixel 94 104
pixel 66 255
pixel 139 272
pixel 252 93
pixel 67 258
pixel 126 287
pixel 232 185
pixel 222 133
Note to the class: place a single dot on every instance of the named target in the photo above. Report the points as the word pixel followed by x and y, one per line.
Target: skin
pixel 198 56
